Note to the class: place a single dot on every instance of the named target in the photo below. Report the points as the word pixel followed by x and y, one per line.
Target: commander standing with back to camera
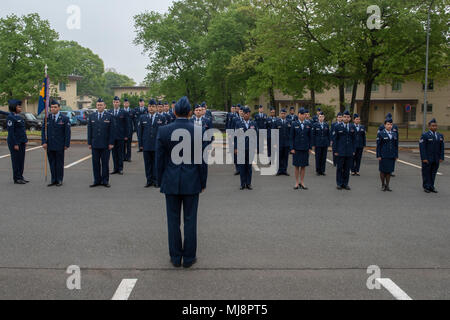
pixel 181 183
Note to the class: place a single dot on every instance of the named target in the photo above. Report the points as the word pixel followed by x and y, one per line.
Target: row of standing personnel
pixel 299 135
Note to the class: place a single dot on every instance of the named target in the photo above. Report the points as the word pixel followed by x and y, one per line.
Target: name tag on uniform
pixel 106 121
pixel 252 127
pixel 61 122
pixel 144 122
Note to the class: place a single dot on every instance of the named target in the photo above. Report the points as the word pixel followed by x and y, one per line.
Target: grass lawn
pixel 29 133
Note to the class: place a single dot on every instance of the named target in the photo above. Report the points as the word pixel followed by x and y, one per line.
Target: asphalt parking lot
pixel 270 243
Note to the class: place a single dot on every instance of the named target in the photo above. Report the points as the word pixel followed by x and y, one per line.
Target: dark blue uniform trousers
pixel 18 161
pixel 344 165
pixel 127 149
pixel 283 157
pixel 321 159
pixel 56 161
pixel 245 171
pixel 357 160
pixel 177 249
pixel 150 168
pixel 117 153
pixel 429 171
pixel 100 165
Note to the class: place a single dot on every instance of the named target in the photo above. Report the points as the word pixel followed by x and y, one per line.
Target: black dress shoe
pixel 249 187
pixel 242 188
pixel 392 175
pixel 236 173
pixel 114 172
pixel 296 188
pixel 51 184
pixel 25 180
pixel 20 182
pixel 347 188
pixel 324 174
pixel 286 174
pixel 339 187
pixel 176 264
pixel 120 173
pixel 303 187
pixel 59 184
pixel 94 185
pixel 278 174
pixel 388 189
pixel 188 265
pixel 426 190
pixel 148 185
pixel 434 190
pixel 107 185
pixel 357 174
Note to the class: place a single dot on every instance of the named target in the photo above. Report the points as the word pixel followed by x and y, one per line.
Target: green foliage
pixel 27 43
pixel 112 79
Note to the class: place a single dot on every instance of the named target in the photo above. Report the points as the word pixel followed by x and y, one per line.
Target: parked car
pixel 72 118
pixel 31 122
pixel 219 119
pixel 81 116
pixel 3 121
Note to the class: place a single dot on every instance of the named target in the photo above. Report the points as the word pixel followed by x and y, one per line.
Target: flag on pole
pixel 43 96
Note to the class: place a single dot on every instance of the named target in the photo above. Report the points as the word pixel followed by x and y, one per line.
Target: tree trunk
pixel 313 99
pixel 341 96
pixel 355 90
pixel 272 97
pixel 364 114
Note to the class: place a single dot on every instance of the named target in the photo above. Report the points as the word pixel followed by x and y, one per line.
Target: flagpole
pixel 47 96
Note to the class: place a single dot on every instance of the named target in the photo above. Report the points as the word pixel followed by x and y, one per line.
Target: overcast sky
pixel 107 27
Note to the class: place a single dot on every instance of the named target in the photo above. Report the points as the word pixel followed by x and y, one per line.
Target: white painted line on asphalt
pixel 31 149
pixel 124 290
pixel 395 290
pixel 404 162
pixel 77 162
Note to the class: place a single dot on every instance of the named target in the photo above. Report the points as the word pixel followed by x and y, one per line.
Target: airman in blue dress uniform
pixel 344 150
pixel 230 115
pixel 387 153
pixel 101 142
pixel 321 142
pixel 432 154
pixel 333 127
pixel 149 125
pixel 360 141
pixel 245 169
pixel 17 140
pixel 271 120
pixel 394 129
pixel 292 116
pixel 121 131
pixel 182 184
pixel 200 118
pixel 301 141
pixel 56 140
pixel 284 130
pixel 138 112
pixel 129 141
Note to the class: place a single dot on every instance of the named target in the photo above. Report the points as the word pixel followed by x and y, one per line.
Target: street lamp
pixel 425 105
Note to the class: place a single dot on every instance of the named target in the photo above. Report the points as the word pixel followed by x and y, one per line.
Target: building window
pixel 375 88
pixel 396 86
pixel 62 86
pixel 429 108
pixel 430 85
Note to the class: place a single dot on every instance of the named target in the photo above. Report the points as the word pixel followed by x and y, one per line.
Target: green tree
pixel 27 44
pixel 74 59
pixel 113 79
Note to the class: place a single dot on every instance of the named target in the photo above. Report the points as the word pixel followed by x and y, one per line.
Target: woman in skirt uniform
pixel 300 145
pixel 387 153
